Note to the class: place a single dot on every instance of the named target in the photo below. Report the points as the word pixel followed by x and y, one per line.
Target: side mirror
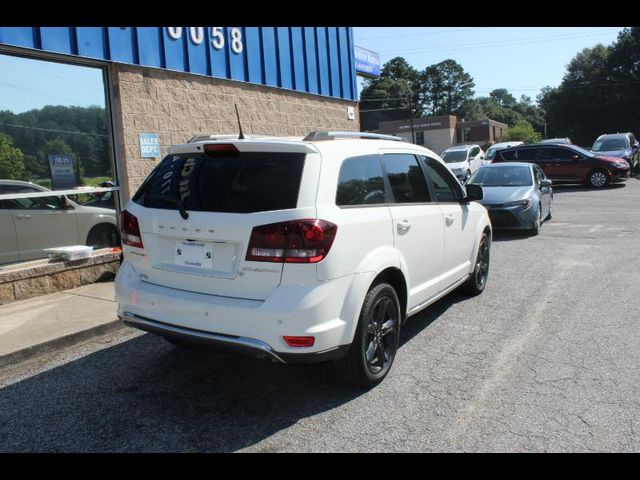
pixel 545 183
pixel 474 193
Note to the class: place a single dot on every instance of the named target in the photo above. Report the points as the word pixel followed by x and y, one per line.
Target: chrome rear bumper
pixel 246 345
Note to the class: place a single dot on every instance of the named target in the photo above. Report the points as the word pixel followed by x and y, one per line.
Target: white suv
pixel 300 251
pixel 463 160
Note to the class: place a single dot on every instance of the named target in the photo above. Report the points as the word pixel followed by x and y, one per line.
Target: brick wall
pixel 178 106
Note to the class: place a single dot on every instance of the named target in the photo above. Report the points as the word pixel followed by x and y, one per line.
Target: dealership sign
pixel 62 172
pixel 367 62
pixel 318 60
pixel 149 145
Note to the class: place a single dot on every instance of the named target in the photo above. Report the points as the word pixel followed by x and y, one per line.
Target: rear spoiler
pixel 250 145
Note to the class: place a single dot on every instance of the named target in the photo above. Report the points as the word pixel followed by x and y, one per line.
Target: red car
pixel 568 163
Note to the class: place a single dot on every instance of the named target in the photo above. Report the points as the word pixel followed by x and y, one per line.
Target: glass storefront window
pixel 54 136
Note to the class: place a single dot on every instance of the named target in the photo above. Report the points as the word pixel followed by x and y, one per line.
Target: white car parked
pixel 29 225
pixel 463 160
pixel 299 251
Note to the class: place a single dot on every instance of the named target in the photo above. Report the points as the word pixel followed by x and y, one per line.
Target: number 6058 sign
pixel 196 34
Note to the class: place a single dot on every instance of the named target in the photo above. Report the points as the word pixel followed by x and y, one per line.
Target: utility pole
pixel 411 112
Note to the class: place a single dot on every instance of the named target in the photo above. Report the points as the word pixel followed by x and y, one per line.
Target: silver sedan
pixel 517 195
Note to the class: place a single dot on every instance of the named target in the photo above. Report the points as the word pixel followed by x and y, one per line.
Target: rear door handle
pixel 449 220
pixel 23 216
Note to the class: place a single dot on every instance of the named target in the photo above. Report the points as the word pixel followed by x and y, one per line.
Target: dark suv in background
pixel 619 145
pixel 568 163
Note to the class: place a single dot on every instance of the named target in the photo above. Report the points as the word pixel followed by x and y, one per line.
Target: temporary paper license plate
pixel 194 254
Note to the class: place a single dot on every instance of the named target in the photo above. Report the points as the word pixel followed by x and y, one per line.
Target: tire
pixel 538 222
pixel 550 214
pixel 478 280
pixel 103 236
pixel 376 340
pixel 598 179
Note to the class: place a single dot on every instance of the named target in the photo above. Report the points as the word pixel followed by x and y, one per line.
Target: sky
pixel 26 84
pixel 520 59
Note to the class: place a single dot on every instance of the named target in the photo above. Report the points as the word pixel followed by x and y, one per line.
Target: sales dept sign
pixel 149 145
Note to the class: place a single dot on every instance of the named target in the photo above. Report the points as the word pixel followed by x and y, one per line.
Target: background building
pixel 439 133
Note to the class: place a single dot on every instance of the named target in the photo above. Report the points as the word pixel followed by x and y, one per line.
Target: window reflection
pixel 53 136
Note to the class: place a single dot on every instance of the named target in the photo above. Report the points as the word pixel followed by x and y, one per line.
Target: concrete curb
pixel 60 343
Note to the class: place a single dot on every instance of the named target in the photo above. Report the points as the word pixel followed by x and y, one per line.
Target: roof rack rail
pixel 324 135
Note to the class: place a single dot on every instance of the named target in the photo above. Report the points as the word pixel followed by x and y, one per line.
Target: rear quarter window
pixel 246 182
pixel 360 181
pixel 509 155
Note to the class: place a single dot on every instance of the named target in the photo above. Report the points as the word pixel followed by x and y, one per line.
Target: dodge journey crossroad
pixel 299 250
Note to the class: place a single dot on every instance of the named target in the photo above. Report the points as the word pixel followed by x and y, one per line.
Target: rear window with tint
pixel 242 183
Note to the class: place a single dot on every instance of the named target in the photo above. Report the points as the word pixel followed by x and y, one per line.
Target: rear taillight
pixel 297 241
pixel 130 230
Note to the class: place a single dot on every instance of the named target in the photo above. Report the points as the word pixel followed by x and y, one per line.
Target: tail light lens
pixel 300 341
pixel 298 241
pixel 130 230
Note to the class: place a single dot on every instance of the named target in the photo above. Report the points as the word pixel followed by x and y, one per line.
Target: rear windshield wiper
pixel 174 200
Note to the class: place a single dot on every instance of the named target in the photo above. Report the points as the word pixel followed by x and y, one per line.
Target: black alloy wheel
pixel 478 280
pixel 376 340
pixel 381 335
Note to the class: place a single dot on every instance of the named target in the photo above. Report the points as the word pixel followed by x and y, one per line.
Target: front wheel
pixel 598 179
pixel 376 339
pixel 537 222
pixel 103 236
pixel 478 280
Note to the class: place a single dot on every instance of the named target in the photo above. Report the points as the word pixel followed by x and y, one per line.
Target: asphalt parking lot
pixel 546 359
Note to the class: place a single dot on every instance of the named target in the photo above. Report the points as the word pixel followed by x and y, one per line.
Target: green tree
pixel 444 88
pixel 11 159
pixel 521 112
pixel 392 96
pixel 598 93
pixel 399 69
pixel 503 98
pixel 523 132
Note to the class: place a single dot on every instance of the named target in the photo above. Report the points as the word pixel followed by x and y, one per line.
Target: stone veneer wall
pixel 178 106
pixel 42 277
